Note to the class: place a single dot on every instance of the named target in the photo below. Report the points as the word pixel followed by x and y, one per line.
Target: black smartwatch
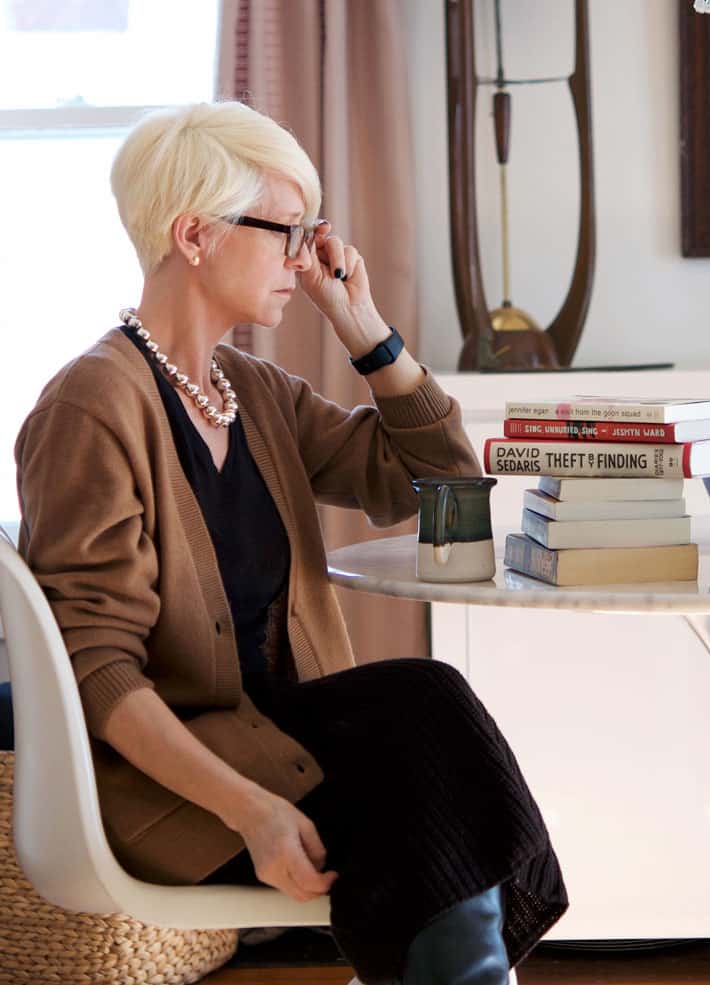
pixel 382 355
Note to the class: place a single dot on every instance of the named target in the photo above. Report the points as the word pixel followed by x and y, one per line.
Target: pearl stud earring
pixel 195 261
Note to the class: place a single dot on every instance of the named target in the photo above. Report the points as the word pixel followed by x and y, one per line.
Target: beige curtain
pixel 333 72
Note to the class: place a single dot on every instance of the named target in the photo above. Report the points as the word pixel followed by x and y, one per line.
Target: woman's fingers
pixel 297 877
pixel 287 852
pixel 340 259
pixel 285 883
pixel 323 229
pixel 312 844
pixel 333 295
pixel 292 888
pixel 289 876
pixel 352 258
pixel 330 249
pixel 334 256
pixel 305 875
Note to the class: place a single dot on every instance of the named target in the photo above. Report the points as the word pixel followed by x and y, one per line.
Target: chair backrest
pixel 58 832
pixel 55 786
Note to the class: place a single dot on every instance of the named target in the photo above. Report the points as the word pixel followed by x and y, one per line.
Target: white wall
pixel 649 304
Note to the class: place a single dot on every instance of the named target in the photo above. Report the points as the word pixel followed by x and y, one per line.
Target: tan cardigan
pixel 115 537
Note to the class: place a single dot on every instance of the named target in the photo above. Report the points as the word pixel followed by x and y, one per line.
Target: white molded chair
pixel 59 837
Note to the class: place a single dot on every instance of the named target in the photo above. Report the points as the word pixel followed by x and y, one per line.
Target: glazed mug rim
pixel 482 481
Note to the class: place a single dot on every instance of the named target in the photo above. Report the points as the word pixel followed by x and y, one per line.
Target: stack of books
pixel 609 506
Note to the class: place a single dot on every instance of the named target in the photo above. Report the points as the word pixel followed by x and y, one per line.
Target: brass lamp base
pixel 518 341
pixel 510 319
pixel 515 341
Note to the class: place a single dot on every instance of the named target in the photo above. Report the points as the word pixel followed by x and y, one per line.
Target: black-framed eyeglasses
pixel 296 236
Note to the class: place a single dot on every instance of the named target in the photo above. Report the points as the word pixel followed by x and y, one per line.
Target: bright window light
pixel 99 53
pixel 66 264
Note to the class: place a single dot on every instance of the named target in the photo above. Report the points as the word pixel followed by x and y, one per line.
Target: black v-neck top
pixel 247 532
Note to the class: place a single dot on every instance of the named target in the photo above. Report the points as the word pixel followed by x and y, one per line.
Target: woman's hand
pixel 344 299
pixel 283 843
pixel 337 277
pixel 285 847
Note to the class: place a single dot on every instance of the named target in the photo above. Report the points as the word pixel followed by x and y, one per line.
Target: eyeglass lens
pixel 297 237
pixel 295 241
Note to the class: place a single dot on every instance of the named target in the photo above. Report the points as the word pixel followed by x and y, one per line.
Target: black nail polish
pixel 344 278
pixel 338 272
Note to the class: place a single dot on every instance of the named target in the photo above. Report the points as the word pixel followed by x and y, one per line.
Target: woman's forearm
pixel 144 730
pixel 401 377
pixel 360 333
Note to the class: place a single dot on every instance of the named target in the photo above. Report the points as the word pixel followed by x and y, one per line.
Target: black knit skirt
pixel 423 805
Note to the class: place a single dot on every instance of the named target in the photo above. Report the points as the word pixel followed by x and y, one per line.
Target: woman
pixel 168 492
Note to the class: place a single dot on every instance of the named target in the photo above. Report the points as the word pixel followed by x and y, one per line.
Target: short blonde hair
pixel 209 158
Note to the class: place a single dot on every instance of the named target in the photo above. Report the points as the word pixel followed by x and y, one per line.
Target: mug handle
pixel 441 543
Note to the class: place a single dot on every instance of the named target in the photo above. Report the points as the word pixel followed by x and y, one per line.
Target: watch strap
pixel 382 355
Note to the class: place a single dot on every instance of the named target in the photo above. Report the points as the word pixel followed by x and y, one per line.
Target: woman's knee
pixel 432 673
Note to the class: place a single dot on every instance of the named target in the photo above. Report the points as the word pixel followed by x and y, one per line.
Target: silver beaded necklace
pixel 217 418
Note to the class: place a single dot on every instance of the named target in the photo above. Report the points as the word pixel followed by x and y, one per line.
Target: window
pixel 73 78
pixel 98 53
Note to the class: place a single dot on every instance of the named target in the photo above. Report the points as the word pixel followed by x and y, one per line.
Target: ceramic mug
pixel 455 540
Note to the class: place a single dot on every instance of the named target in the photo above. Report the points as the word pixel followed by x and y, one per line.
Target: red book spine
pixel 531 430
pixel 686 460
pixel 487 455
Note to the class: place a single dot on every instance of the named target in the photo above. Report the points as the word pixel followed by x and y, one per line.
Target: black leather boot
pixel 463 946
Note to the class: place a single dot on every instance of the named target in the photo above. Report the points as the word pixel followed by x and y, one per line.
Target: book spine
pixel 531 559
pixel 507 456
pixel 589 431
pixel 548 411
pixel 536 526
pixel 487 455
pixel 687 472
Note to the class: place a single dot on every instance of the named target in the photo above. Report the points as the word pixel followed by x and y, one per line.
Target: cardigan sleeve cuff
pixel 105 687
pixel 425 405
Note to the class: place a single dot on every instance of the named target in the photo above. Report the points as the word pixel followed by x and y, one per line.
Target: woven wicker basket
pixel 42 944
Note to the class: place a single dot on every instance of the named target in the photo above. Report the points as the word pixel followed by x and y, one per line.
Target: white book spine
pixel 562 535
pixel 550 411
pixel 601 509
pixel 610 489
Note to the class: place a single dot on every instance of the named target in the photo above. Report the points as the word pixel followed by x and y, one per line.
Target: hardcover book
pixel 507 456
pixel 634 489
pixel 601 566
pixel 541 430
pixel 601 509
pixel 659 410
pixel 646 532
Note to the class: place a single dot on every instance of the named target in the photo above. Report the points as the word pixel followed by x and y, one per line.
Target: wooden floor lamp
pixel 508 339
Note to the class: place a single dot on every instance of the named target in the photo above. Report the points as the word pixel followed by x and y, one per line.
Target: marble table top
pixel 386 566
